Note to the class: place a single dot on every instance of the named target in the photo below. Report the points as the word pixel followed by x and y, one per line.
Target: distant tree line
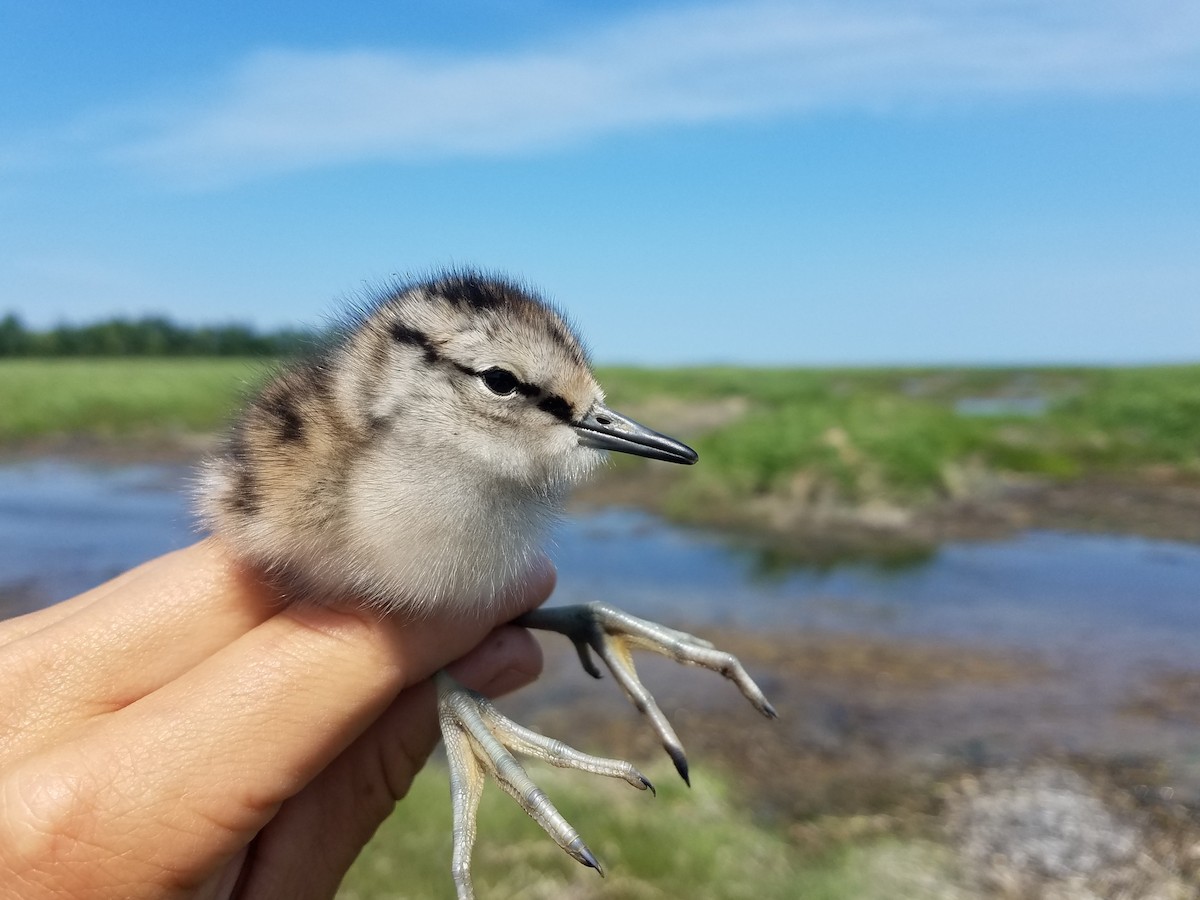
pixel 148 336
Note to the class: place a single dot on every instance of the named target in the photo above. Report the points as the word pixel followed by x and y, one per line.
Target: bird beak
pixel 606 430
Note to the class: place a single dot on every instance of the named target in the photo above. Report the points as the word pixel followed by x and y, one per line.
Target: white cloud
pixel 288 110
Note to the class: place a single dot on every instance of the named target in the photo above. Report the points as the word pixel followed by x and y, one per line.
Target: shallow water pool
pixel 66 526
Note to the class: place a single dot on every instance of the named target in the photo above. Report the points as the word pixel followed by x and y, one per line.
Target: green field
pixel 906 436
pixel 114 398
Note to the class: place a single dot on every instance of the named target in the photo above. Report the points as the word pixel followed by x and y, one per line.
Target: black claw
pixel 585 660
pixel 590 860
pixel 646 782
pixel 769 711
pixel 580 851
pixel 681 764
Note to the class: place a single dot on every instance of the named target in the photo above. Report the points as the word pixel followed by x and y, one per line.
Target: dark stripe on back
pixel 291 426
pixel 236 449
pixel 245 497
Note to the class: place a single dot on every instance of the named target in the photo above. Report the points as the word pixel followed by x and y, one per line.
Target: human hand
pixel 177 732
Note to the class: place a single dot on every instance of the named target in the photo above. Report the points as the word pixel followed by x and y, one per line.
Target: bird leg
pixel 612 633
pixel 479 742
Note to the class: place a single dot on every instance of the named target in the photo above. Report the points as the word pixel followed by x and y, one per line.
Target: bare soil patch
pixel 1007 762
pixel 821 530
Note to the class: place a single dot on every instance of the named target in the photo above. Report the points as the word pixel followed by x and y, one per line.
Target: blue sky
pixel 846 182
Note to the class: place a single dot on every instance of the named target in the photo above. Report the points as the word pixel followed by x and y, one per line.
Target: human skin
pixel 178 732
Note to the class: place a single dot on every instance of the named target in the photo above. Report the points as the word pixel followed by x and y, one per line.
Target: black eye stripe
pixel 557 407
pixel 498 381
pixel 524 388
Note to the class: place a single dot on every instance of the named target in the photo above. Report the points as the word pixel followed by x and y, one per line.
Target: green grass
pixel 899 435
pixel 862 434
pixel 120 397
pixel 699 844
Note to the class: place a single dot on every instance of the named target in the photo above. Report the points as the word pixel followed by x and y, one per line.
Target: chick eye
pixel 499 381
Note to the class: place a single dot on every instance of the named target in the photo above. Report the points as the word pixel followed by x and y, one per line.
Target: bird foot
pixel 612 634
pixel 479 742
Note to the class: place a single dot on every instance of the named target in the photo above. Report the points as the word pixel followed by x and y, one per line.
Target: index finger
pixel 126 639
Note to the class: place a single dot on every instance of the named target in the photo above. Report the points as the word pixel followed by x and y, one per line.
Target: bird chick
pixel 415 464
pixel 421 458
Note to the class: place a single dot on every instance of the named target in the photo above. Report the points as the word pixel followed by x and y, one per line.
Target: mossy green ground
pixel 699 844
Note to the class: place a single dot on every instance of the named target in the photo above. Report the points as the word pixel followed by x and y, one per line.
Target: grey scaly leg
pixel 612 633
pixel 479 741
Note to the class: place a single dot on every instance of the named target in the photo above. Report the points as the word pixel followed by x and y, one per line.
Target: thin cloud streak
pixel 287 110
